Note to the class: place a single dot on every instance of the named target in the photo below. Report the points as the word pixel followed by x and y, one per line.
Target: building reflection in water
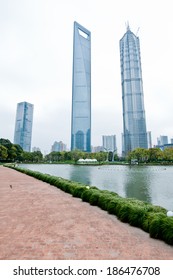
pixel 137 184
pixel 81 174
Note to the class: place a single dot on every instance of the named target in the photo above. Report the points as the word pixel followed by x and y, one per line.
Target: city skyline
pixel 134 122
pixel 36 65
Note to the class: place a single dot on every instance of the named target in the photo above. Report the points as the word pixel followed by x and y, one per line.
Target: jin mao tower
pixel 134 123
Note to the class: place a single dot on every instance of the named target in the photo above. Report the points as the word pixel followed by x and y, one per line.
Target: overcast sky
pixel 36 48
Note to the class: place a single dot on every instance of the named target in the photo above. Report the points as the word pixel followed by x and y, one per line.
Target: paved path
pixel 39 222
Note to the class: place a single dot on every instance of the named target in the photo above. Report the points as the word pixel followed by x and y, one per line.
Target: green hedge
pixel 148 217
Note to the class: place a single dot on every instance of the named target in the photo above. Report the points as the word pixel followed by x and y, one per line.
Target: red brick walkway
pixel 39 222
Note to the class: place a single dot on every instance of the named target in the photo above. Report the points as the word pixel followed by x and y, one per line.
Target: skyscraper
pixel 134 123
pixel 109 142
pixel 58 147
pixel 81 90
pixel 162 140
pixel 23 125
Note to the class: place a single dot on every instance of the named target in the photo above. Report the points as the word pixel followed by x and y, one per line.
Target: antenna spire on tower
pixel 127 26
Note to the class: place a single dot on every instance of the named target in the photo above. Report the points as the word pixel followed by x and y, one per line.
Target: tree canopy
pixel 10 152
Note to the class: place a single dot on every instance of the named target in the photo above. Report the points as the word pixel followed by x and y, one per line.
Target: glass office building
pixel 81 90
pixel 23 125
pixel 109 143
pixel 134 123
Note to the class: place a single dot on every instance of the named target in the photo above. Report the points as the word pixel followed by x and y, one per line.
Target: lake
pixel 153 184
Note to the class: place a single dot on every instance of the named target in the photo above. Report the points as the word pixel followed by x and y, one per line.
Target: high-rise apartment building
pixel 134 123
pixel 23 125
pixel 81 90
pixel 58 147
pixel 109 142
pixel 162 140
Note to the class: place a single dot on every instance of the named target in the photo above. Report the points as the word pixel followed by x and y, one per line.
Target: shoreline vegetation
pixel 10 152
pixel 150 218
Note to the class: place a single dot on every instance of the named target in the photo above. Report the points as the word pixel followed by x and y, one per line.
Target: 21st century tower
pixel 23 125
pixel 134 123
pixel 81 90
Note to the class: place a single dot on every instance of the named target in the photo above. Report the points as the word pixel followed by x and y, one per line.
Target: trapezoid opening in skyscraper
pixel 81 90
pixel 134 122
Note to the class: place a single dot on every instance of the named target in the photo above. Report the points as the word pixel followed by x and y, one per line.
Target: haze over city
pixel 36 48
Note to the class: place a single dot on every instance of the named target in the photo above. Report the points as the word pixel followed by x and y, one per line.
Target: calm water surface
pixel 152 184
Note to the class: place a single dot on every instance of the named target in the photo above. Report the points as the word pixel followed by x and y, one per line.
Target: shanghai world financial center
pixel 81 90
pixel 134 123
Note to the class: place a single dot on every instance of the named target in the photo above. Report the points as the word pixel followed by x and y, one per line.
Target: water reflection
pixel 137 184
pixel 81 174
pixel 110 178
pixel 150 184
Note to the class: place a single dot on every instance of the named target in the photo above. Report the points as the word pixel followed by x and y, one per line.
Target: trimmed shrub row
pixel 148 217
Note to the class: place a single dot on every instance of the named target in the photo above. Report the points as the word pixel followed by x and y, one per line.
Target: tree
pixel 110 156
pixel 19 152
pixel 154 154
pixel 101 156
pixel 168 154
pixel 3 153
pixel 77 154
pixel 12 153
pixel 37 156
pixel 67 156
pixel 6 143
pixel 140 154
pixel 27 156
pixel 116 158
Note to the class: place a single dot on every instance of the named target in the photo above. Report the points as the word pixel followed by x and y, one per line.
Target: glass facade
pixel 23 125
pixel 134 123
pixel 81 90
pixel 109 142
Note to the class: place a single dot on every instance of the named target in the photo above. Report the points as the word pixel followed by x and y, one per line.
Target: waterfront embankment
pixel 39 221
